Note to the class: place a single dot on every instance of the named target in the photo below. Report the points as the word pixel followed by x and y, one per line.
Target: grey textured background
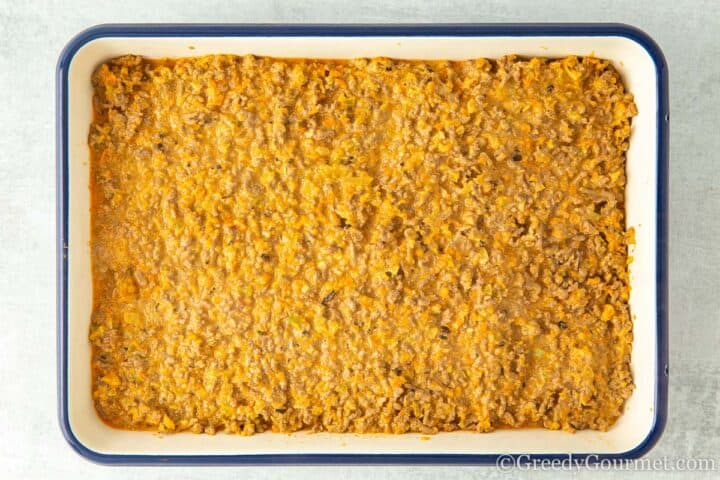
pixel 31 36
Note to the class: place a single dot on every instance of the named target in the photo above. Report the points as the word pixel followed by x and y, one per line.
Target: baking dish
pixel 634 54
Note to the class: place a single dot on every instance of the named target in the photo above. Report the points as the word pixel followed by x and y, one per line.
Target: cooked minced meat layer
pixel 368 245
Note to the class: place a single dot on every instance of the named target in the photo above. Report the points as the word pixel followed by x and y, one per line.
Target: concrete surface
pixel 31 36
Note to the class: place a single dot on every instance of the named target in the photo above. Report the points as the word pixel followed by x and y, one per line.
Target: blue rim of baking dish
pixel 358 30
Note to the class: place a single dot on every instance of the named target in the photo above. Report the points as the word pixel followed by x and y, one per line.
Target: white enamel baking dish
pixel 643 69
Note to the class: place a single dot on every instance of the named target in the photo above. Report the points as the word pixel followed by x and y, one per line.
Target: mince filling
pixel 368 245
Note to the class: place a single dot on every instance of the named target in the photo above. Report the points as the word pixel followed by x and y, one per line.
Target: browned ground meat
pixel 370 245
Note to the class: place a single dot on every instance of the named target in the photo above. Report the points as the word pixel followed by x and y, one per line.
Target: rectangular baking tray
pixel 642 66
